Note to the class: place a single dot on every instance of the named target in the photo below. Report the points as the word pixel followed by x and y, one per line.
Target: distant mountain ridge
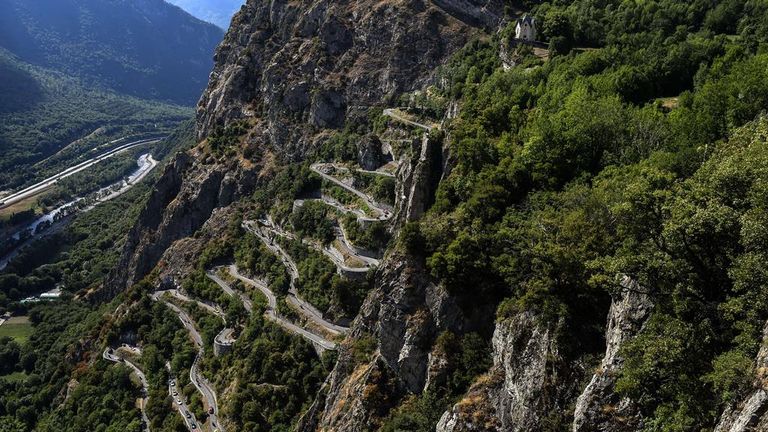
pixel 143 48
pixel 218 12
pixel 41 111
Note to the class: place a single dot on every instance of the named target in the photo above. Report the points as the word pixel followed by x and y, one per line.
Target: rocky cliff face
pixel 531 386
pixel 293 69
pixel 316 63
pixel 418 178
pixel 599 408
pixel 403 315
pixel 528 383
pixel 751 414
pixel 183 199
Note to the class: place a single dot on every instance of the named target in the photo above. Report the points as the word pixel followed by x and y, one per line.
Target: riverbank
pixel 56 219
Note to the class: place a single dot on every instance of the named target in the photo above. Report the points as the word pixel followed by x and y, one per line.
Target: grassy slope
pixel 19 328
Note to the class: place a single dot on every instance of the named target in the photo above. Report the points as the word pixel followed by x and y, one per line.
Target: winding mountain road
pixel 393 113
pixel 304 307
pixel 271 312
pixel 109 355
pixel 384 211
pixel 146 165
pixel 205 388
pixel 378 172
pixel 247 303
pixel 338 206
pixel 41 186
pixel 369 256
pixel 214 309
pixel 202 385
pixel 344 249
pixel 334 254
pixel 262 287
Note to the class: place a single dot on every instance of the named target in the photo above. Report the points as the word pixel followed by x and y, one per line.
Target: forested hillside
pixel 34 367
pixel 143 48
pixel 395 216
pixel 43 112
pixel 638 149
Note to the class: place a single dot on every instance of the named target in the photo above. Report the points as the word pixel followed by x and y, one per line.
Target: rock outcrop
pixel 181 202
pixel 527 383
pixel 751 414
pixel 290 70
pixel 418 179
pixel 402 316
pixel 478 12
pixel 599 408
pixel 293 69
pixel 316 63
pixel 532 385
pixel 370 154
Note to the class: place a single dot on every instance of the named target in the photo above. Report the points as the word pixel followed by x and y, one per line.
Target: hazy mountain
pixel 144 48
pixel 42 111
pixel 218 12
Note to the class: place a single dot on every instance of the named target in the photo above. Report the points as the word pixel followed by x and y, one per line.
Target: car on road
pixel 210 410
pixel 188 414
pixel 194 426
pixel 175 393
pixel 178 401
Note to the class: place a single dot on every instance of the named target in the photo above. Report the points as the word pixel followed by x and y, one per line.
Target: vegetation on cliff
pixel 638 148
pixel 633 151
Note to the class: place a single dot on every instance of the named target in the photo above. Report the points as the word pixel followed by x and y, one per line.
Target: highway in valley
pixel 41 186
pixel 55 219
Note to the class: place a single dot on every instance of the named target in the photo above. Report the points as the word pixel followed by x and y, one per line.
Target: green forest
pixel 639 148
pixel 48 119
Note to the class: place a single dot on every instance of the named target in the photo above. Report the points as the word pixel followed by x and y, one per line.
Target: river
pixel 45 223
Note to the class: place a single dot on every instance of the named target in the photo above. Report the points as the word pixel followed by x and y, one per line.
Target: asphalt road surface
pixel 389 112
pixel 179 403
pixel 109 355
pixel 202 385
pixel 304 307
pixel 50 181
pixel 384 211
pixel 271 312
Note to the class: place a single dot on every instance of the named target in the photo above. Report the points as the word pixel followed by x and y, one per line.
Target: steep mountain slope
pixel 147 48
pixel 573 248
pixel 320 64
pixel 218 12
pixel 310 65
